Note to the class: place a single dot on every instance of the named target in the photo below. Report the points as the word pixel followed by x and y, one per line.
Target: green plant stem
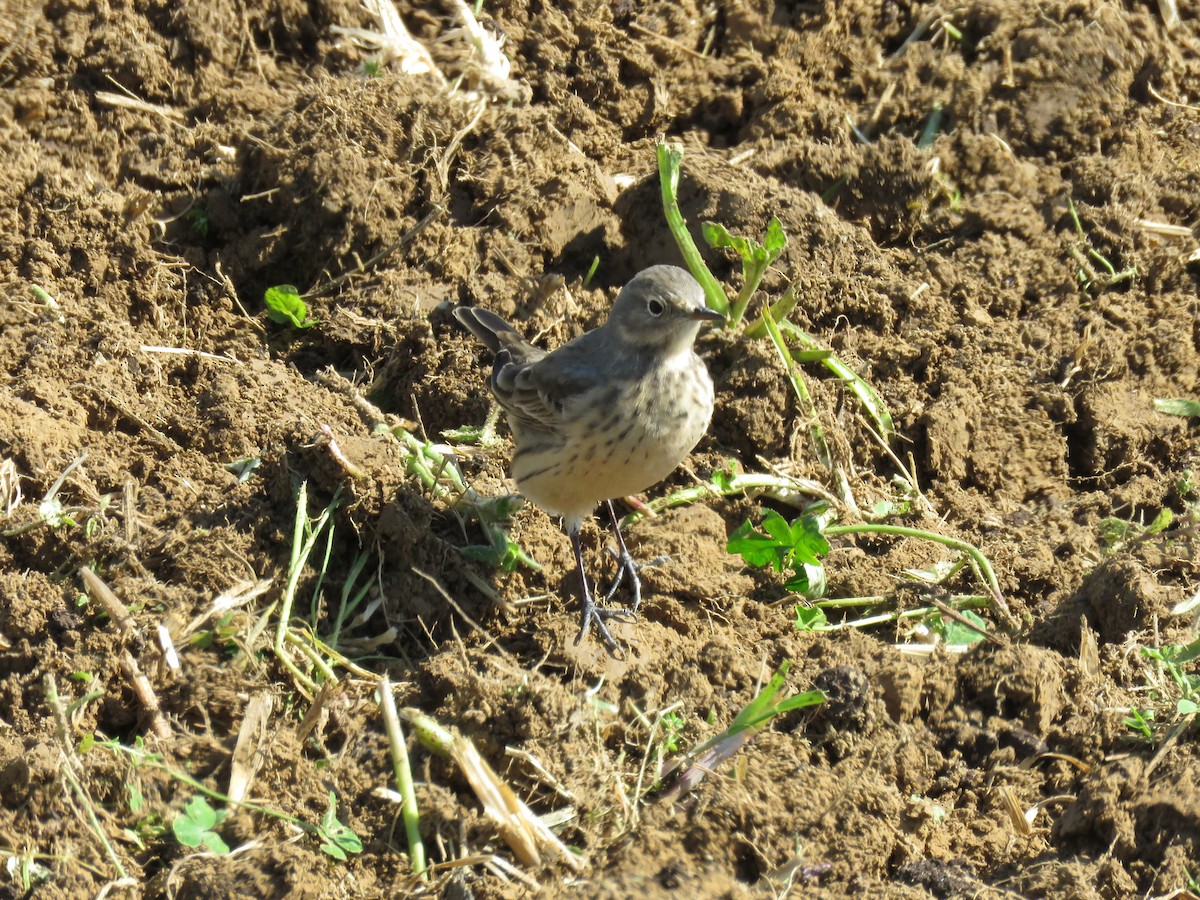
pixel 752 718
pixel 154 761
pixel 304 536
pixel 852 602
pixel 777 487
pixel 313 647
pixel 430 465
pixel 808 410
pixel 308 650
pixel 315 605
pixel 932 126
pixel 976 602
pixel 669 158
pixel 979 562
pixel 874 404
pixel 348 604
pixel 753 278
pixel 404 780
pixel 68 769
pixel 779 310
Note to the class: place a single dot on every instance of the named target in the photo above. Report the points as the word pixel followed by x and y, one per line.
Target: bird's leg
pixel 626 565
pixel 591 612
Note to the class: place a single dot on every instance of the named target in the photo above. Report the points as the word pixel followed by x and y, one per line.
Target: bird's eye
pixel 655 308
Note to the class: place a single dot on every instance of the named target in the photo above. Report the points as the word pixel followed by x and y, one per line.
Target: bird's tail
pixel 488 327
pixel 502 339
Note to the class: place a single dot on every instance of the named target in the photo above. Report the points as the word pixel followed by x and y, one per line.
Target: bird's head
pixel 661 309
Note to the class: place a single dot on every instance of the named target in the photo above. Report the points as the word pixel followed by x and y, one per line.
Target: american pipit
pixel 608 414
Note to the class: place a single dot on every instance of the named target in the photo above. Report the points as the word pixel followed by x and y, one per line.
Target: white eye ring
pixel 655 308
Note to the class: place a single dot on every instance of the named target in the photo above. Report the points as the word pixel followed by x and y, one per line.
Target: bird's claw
pixel 628 566
pixel 594 613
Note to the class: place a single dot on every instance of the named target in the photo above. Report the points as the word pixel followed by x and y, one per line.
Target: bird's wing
pixel 540 392
pixel 530 399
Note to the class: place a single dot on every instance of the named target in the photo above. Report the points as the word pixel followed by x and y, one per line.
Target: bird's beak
pixel 706 315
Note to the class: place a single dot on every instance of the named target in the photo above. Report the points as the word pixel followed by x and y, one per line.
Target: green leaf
pixel 1178 407
pixel 285 306
pixel 1185 653
pixel 804 357
pixel 778 528
pixel 338 839
pixel 1186 707
pixel 201 814
pixel 719 238
pixel 1161 522
pixel 808 543
pixel 799 701
pixel 953 632
pixel 809 618
pixel 193 827
pixel 754 255
pixel 1139 721
pixel 755 549
pixel 762 708
pixel 798 546
pixel 774 240
pixel 136 800
pixel 809 581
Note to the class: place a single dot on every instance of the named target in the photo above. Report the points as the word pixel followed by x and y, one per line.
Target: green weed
pixel 1193 882
pixel 1172 692
pixel 1141 722
pixel 1116 533
pixel 756 257
pixel 435 467
pixel 591 272
pixel 753 717
pixel 336 838
pixel 799 547
pixel 194 826
pixel 197 217
pixel 933 125
pixel 670 158
pixel 1188 409
pixel 53 309
pixel 673 725
pixel 1173 662
pixel 1084 253
pixel 286 306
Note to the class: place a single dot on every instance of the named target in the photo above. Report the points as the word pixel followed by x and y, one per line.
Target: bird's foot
pixel 595 614
pixel 628 567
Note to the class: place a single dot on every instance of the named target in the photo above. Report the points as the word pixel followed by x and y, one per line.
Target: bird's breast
pixel 620 439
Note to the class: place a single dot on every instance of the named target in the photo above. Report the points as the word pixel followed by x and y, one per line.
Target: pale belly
pixel 617 449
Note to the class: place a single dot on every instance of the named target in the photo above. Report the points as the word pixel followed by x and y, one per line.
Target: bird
pixel 606 415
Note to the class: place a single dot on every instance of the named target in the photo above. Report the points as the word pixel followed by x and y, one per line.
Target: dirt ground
pixel 165 163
